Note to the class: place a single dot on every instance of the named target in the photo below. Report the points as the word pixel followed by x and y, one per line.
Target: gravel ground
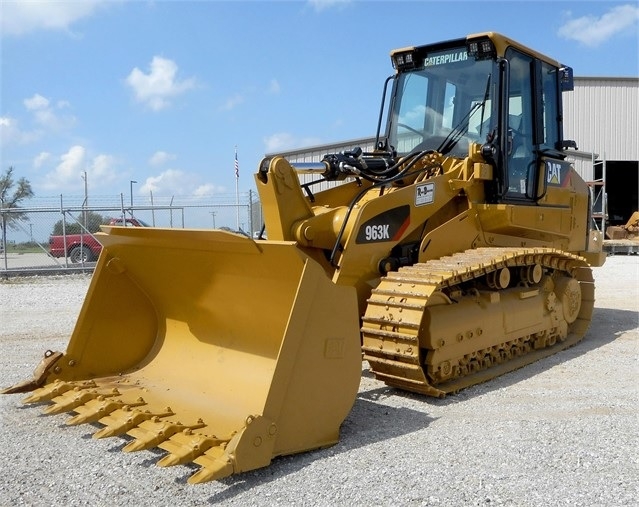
pixel 563 431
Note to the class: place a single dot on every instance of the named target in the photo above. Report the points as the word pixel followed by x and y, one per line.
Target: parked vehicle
pixel 84 247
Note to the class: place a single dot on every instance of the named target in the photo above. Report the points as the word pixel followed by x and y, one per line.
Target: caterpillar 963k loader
pixel 458 249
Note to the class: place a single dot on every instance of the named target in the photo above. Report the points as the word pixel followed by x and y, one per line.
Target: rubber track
pixel 403 296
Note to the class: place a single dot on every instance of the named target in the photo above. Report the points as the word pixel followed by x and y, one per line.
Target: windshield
pixel 450 96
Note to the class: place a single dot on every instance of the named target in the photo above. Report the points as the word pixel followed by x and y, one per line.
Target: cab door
pixel 521 156
pixel 533 130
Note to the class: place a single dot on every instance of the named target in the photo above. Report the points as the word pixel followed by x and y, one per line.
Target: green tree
pixel 93 222
pixel 12 193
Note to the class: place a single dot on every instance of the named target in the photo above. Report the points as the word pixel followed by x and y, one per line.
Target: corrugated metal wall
pixel 601 114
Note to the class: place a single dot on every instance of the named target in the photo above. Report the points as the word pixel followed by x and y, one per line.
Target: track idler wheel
pixel 568 293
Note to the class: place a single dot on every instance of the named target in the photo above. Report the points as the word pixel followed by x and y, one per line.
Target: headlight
pixel 403 59
pixel 483 49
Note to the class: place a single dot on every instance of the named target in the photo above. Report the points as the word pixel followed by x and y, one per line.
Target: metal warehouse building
pixel 602 116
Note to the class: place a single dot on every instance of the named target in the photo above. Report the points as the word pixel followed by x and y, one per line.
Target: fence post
pixel 3 239
pixel 152 209
pixel 122 212
pixel 64 233
pixel 250 211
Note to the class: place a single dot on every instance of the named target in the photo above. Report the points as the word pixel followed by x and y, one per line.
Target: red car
pixel 81 248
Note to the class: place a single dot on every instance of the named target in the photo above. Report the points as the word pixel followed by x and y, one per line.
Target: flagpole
pixel 237 191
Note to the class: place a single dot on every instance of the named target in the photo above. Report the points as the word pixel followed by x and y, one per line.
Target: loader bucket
pixel 221 350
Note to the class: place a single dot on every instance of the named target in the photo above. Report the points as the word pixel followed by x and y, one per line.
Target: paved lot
pixel 19 260
pixel 13 264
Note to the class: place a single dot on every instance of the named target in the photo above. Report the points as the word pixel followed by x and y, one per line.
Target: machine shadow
pixel 606 326
pixel 368 422
pixel 371 421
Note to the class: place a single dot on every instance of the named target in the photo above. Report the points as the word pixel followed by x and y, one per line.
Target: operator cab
pixel 483 89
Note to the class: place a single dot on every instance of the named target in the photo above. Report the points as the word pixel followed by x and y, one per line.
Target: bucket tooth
pixel 216 464
pixel 57 388
pixel 39 375
pixel 72 399
pixel 122 420
pixel 150 433
pixel 186 446
pixel 96 409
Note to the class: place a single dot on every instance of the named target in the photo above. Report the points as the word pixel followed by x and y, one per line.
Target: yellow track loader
pixel 458 249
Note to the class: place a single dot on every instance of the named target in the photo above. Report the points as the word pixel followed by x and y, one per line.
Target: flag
pixel 237 165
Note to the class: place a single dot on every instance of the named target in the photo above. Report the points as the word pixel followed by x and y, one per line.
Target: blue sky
pixel 161 92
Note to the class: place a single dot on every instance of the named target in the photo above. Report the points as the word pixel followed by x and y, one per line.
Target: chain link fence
pixel 61 239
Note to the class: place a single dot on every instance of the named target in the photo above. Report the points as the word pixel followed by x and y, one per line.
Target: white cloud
pixel 102 169
pixel 67 174
pixel 46 115
pixel 285 141
pixel 37 102
pixel 161 158
pixel 41 159
pixel 232 102
pixel 177 182
pixel 159 85
pixel 45 118
pixel 71 166
pixel 278 142
pixel 206 190
pixel 593 31
pixel 21 17
pixel 320 5
pixel 11 133
pixel 169 182
pixel 274 86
